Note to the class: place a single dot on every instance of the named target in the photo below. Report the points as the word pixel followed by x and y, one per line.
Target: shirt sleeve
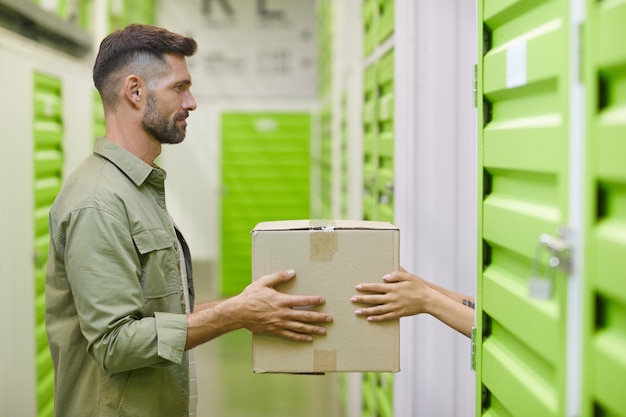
pixel 105 275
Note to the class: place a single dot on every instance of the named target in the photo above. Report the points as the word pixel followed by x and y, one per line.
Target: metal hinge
pixel 473 349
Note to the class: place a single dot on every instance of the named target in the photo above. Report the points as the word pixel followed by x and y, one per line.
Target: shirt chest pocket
pixel 159 263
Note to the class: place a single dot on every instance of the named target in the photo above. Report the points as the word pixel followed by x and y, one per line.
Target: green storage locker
pixel 48 164
pixel 345 149
pixel 326 161
pixel 523 103
pixel 370 142
pixel 604 357
pixel 377 395
pixel 99 123
pixel 265 176
pixel 385 181
pixel 386 11
pixel 370 26
pixel 125 12
pixel 324 15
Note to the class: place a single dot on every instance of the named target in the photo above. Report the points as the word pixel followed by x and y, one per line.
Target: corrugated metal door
pixel 604 372
pixel 265 176
pixel 370 145
pixel 523 100
pixel 48 154
pixel 385 138
pixel 378 158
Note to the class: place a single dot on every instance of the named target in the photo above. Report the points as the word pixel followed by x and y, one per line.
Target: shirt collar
pixel 134 168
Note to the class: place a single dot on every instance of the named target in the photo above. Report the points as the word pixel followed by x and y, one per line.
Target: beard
pixel 158 126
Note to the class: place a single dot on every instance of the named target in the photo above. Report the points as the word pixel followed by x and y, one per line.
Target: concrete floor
pixel 227 387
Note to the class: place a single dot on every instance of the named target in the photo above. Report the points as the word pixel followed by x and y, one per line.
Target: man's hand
pixel 262 310
pixel 270 312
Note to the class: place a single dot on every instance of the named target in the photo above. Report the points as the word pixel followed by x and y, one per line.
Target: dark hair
pixel 138 48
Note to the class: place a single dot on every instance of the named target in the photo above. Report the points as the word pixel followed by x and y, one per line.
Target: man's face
pixel 169 103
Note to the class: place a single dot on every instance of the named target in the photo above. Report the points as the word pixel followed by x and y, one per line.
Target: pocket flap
pixel 151 240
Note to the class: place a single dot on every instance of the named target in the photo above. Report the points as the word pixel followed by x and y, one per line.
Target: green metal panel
pixel 326 161
pixel 48 164
pixel 125 12
pixel 377 394
pixel 265 176
pixel 99 124
pixel 378 168
pixel 523 102
pixel 138 11
pixel 386 11
pixel 385 158
pixel 324 15
pixel 345 180
pixel 85 13
pixel 604 357
pixel 370 142
pixel 370 25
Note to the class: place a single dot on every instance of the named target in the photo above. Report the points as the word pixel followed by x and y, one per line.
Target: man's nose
pixel 190 102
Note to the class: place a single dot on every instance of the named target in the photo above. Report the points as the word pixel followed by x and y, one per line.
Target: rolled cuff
pixel 171 336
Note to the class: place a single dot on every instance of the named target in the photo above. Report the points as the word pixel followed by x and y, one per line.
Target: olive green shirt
pixel 115 310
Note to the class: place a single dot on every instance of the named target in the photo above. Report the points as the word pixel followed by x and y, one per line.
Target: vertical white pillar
pixel 577 188
pixel 17 298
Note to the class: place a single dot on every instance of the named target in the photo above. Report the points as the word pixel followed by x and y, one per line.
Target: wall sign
pixel 248 48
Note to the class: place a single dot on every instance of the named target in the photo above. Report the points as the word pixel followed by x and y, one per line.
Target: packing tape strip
pixel 324 360
pixel 323 240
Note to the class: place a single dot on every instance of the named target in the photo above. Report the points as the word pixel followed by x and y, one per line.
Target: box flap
pixel 322 224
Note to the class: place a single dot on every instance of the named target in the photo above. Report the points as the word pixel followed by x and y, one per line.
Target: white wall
pixel 20 58
pixel 435 202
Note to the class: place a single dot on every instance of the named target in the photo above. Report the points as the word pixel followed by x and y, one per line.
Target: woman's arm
pixel 404 294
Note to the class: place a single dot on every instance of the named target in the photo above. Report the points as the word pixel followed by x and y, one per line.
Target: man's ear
pixel 134 90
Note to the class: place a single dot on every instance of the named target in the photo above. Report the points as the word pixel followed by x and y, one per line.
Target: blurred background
pixel 492 133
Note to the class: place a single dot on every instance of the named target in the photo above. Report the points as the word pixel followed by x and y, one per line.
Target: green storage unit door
pixel 99 122
pixel 48 155
pixel 604 357
pixel 377 395
pixel 386 11
pixel 385 179
pixel 324 16
pixel 523 97
pixel 370 25
pixel 326 161
pixel 125 12
pixel 370 142
pixel 345 149
pixel 265 177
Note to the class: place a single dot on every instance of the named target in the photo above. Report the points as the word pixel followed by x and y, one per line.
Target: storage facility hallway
pixel 489 137
pixel 229 388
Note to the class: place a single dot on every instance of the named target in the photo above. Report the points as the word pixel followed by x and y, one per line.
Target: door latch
pixel 560 257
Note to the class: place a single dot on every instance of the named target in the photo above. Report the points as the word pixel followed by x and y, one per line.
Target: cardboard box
pixel 330 258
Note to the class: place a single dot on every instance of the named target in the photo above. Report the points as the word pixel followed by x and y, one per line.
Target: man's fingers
pixel 276 278
pixel 298 331
pixel 304 300
pixel 309 316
